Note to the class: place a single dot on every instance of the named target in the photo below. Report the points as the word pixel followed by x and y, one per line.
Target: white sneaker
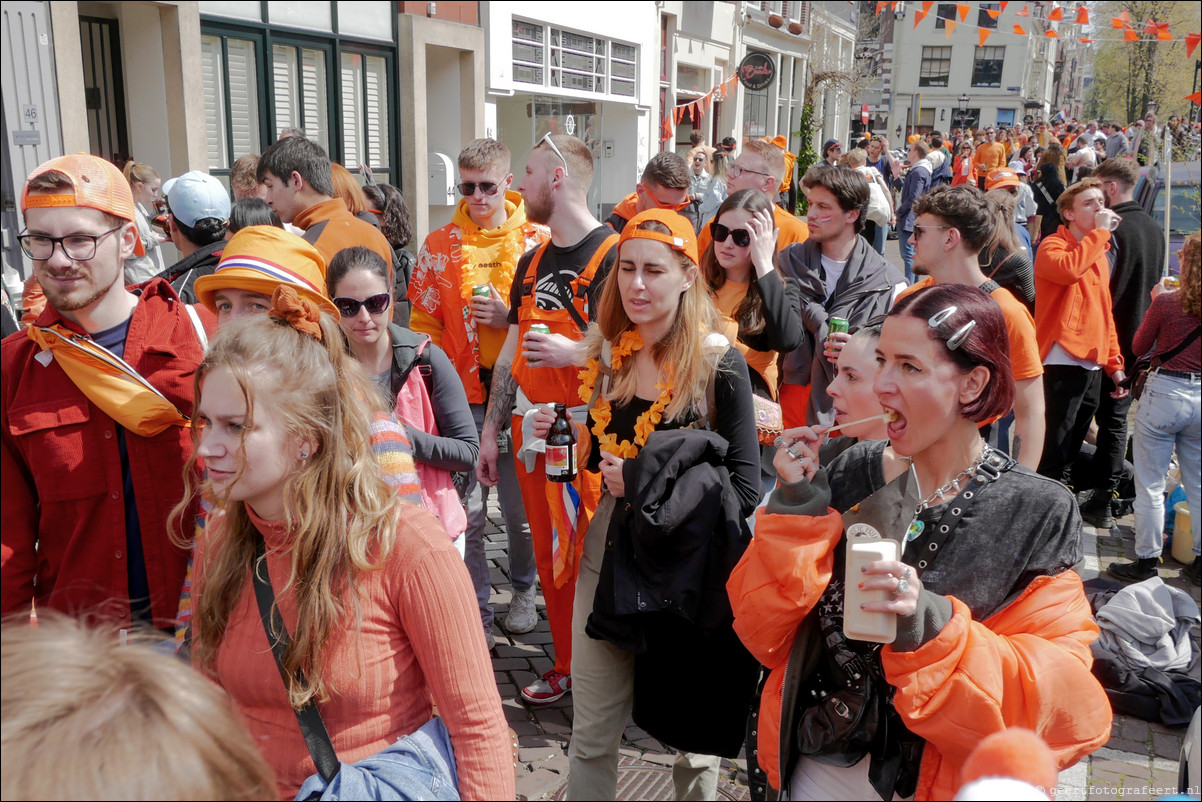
pixel 523 616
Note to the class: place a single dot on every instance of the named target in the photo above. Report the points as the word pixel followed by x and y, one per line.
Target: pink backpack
pixel 415 408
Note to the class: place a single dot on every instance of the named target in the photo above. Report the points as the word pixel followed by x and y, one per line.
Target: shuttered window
pixel 231 94
pixel 365 134
pixel 299 76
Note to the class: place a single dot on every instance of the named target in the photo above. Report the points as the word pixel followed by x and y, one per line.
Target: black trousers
pixel 1112 439
pixel 1071 396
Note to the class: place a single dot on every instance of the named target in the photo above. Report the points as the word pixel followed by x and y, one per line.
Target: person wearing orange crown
pixel 460 298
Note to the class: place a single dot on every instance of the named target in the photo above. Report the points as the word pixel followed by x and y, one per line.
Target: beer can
pixel 838 325
pixel 481 291
pixel 541 328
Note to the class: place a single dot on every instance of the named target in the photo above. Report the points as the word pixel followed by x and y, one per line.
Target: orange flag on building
pixel 962 10
pixel 1084 40
pixel 982 35
pixel 1050 34
pixel 993 12
pixel 1057 15
pixel 951 26
pixel 1121 21
pixel 1024 12
pixel 1082 16
pixel 1020 30
pixel 1129 35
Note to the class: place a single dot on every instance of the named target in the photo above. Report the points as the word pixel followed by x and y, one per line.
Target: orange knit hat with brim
pixel 682 238
pixel 95 183
pixel 261 258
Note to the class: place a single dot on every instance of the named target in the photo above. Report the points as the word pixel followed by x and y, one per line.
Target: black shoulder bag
pixel 317 739
pixel 1145 365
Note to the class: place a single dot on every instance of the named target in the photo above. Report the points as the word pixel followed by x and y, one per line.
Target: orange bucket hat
pixel 261 258
pixel 682 238
pixel 96 184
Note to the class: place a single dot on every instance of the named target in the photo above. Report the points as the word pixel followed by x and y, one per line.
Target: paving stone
pixel 537 783
pixel 523 728
pixel 649 745
pixel 511 664
pixel 1122 768
pixel 1123 745
pixel 557 763
pixel 518 650
pixel 538 636
pixel 1166 745
pixel 1133 729
pixel 660 758
pixel 541 664
pixel 535 754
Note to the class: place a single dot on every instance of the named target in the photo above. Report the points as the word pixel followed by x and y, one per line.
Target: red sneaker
pixel 548 688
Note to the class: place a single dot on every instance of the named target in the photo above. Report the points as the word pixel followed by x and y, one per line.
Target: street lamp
pixel 962 112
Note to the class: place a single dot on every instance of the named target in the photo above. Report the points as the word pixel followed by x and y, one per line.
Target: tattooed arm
pixel 500 407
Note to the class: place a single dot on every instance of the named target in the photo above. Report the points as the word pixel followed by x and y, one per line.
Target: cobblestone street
pixel 1139 762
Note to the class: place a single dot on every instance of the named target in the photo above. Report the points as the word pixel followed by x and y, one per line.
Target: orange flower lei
pixel 500 277
pixel 602 415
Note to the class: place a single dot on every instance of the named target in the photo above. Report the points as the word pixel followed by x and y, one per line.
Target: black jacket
pixel 183 274
pixel 1138 247
pixel 670 548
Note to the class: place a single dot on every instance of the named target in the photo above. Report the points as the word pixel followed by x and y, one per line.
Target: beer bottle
pixel 561 448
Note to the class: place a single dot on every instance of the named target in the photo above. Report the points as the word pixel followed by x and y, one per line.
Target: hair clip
pixel 957 339
pixel 939 318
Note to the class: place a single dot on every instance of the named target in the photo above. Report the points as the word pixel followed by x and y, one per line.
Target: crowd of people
pixel 280 450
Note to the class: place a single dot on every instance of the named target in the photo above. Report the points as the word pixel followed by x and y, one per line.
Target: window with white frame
pixel 299 75
pixel 364 110
pixel 561 59
pixel 231 90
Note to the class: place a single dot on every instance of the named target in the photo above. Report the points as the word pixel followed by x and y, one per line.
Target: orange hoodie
pixel 1027 665
pixel 1073 306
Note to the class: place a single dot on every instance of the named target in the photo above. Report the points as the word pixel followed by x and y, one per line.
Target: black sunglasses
pixel 376 305
pixel 720 232
pixel 468 188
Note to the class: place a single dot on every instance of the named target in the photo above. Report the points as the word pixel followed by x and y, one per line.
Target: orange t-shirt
pixel 1024 348
pixel 728 297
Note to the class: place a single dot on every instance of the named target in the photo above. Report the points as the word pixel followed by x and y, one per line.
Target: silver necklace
pixel 952 487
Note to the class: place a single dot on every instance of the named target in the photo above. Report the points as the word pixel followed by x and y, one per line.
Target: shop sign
pixel 757 71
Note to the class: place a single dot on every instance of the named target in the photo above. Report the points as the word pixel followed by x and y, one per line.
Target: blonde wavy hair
pixel 1191 272
pixel 135 721
pixel 684 347
pixel 343 516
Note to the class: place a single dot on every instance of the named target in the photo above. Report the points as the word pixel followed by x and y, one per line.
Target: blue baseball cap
pixel 195 196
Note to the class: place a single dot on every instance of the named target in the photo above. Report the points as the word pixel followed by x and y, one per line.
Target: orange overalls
pixel 546 386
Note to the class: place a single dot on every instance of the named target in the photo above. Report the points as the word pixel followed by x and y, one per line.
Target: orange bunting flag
pixel 993 12
pixel 1121 21
pixel 1057 15
pixel 983 34
pixel 951 26
pixel 1191 44
pixel 962 10
pixel 919 16
pixel 666 132
pixel 1050 34
pixel 1019 30
pixel 880 6
pixel 1164 36
pixel 1195 98
pixel 926 6
pixel 1130 35
pixel 1152 26
pixel 1082 16
pixel 1024 12
pixel 1084 40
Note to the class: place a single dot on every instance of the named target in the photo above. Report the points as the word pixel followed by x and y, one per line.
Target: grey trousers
pixel 603 695
pixel 522 570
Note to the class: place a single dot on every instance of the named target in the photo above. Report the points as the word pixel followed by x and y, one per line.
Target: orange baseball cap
pixel 96 184
pixel 1001 177
pixel 682 238
pixel 261 258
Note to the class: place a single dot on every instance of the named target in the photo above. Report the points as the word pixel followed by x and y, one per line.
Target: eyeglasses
pixel 918 230
pixel 551 144
pixel 741 236
pixel 79 247
pixel 735 171
pixel 487 188
pixel 376 305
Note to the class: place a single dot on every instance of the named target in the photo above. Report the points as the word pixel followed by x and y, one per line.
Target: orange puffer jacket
pixel 1028 665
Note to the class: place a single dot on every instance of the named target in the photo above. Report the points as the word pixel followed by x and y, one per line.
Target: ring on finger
pixel 903 587
pixel 906 573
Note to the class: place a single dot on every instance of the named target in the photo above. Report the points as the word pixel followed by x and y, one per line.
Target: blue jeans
pixel 522 570
pixel 875 235
pixel 1168 417
pixel 907 252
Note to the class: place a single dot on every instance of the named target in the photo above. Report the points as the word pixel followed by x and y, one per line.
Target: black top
pixel 559 266
pixel 1138 248
pixel 1018 527
pixel 1013 271
pixel 1046 189
pixel 734 420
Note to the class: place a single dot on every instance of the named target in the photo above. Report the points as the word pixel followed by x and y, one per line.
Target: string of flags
pixel 696 109
pixel 1152 31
